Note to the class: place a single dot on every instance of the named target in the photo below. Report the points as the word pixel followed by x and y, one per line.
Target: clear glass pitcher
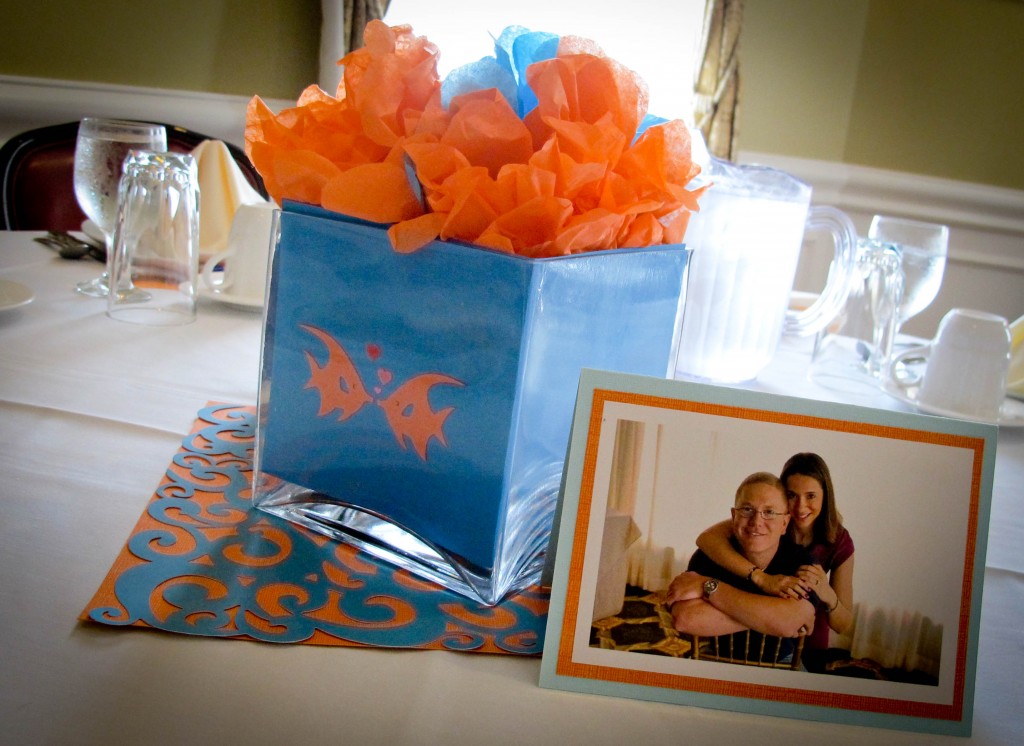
pixel 746 242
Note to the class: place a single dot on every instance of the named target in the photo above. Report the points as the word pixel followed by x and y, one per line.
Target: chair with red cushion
pixel 37 176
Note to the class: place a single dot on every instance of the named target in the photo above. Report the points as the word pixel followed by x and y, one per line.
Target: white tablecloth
pixel 91 412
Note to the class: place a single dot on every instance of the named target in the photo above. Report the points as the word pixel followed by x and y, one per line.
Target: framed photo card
pixel 862 599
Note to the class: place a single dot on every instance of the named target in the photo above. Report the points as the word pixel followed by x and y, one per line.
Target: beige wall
pixel 798 74
pixel 930 87
pixel 241 47
pixel 952 69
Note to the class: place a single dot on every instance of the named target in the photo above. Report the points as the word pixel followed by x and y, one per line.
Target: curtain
pixel 341 31
pixel 629 445
pixel 717 87
pixel 631 492
pixel 358 13
pixel 894 638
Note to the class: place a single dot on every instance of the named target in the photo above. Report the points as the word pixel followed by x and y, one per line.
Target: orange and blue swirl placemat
pixel 203 561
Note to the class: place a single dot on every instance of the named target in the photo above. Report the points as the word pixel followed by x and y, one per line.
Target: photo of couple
pixel 781 566
pixel 727 540
pixel 707 546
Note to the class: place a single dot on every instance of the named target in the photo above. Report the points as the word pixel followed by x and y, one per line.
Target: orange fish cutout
pixel 407 409
pixel 338 382
pixel 409 415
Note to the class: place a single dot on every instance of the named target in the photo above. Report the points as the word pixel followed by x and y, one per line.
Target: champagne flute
pixel 923 248
pixel 100 150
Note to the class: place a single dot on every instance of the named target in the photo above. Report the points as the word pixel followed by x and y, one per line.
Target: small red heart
pixel 373 351
pixel 384 375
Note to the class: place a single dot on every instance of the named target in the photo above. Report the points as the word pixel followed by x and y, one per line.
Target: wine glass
pixel 100 150
pixel 923 249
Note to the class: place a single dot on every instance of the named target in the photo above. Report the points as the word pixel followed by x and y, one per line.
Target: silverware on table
pixel 70 247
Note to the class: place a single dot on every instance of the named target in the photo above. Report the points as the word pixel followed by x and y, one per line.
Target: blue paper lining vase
pixel 418 405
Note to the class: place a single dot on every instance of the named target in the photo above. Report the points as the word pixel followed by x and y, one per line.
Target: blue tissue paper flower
pixel 515 50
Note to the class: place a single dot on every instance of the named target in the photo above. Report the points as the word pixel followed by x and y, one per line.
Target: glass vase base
pixel 388 541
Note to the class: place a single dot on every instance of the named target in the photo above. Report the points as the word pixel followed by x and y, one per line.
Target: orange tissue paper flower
pixel 571 162
pixel 303 151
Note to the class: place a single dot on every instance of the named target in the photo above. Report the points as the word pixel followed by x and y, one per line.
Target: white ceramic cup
pixel 246 258
pixel 967 365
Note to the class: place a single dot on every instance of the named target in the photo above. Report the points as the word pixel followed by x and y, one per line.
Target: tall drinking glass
pixel 154 266
pixel 923 247
pixel 100 151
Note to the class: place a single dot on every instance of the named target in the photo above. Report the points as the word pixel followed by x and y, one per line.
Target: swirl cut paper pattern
pixel 203 561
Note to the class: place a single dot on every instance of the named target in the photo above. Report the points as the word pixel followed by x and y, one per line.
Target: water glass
pixel 155 261
pixel 923 247
pixel 100 150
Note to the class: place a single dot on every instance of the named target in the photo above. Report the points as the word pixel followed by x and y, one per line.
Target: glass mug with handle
pixel 852 353
pixel 746 241
pixel 100 150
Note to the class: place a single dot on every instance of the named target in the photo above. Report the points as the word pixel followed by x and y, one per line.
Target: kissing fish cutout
pixel 407 409
pixel 338 382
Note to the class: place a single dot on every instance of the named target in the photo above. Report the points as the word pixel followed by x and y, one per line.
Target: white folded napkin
pixel 222 188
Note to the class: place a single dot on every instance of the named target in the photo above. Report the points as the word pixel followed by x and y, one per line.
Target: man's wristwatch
pixel 710 586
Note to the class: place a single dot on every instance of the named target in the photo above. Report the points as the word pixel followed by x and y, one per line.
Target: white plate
pixel 1011 414
pixel 14 294
pixel 245 302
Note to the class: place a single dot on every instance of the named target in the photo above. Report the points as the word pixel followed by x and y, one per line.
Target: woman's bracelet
pixel 834 606
pixel 750 575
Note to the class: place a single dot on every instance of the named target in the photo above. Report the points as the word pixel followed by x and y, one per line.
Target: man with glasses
pixel 708 600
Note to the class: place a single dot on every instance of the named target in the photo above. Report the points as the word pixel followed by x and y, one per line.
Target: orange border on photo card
pixel 567 666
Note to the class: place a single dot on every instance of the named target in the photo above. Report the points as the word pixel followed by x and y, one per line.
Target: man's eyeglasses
pixel 747 512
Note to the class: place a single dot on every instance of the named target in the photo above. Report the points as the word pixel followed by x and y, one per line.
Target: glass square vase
pixel 418 405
